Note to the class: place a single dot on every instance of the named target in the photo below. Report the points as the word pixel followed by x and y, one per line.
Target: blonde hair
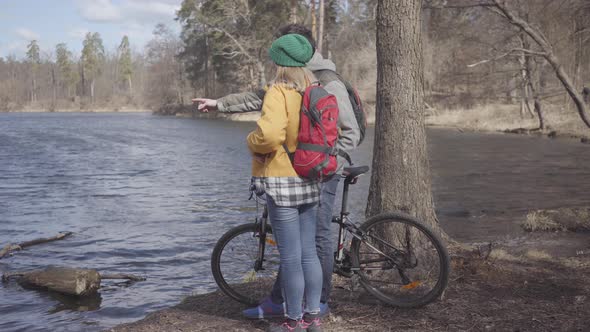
pixel 297 78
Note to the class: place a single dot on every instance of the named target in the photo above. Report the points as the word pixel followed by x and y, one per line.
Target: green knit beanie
pixel 291 50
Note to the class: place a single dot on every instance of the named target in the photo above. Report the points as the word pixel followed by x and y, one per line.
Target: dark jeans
pixel 323 241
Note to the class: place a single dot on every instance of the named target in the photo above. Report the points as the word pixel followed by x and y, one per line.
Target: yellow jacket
pixel 279 123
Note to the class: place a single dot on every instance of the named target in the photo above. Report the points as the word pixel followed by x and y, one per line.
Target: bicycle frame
pixel 345 225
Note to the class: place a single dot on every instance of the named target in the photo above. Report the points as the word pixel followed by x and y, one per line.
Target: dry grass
pixel 573 219
pixel 537 254
pixel 538 221
pixel 502 254
pixel 500 117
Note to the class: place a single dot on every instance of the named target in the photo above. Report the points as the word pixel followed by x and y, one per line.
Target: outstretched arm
pixel 233 103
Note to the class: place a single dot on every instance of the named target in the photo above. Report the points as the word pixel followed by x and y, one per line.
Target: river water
pixel 151 195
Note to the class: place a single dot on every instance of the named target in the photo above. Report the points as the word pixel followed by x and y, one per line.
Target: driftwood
pixel 78 282
pixel 14 247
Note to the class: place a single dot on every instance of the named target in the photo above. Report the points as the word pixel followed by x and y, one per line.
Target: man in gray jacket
pixel 349 138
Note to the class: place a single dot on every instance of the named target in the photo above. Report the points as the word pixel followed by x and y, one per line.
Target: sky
pixel 67 21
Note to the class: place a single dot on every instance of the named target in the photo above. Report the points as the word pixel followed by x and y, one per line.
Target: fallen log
pixel 78 282
pixel 14 247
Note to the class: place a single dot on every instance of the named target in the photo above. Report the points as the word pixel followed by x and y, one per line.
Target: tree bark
pixel 313 19
pixel 400 178
pixel 34 90
pixel 130 85
pixel 293 14
pixel 320 36
pixel 525 60
pixel 77 282
pixel 92 90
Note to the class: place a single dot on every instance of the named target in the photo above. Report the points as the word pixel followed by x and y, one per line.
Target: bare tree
pixel 548 53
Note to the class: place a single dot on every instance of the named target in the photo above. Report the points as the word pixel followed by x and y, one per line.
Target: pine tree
pixel 68 76
pixel 34 61
pixel 125 63
pixel 93 56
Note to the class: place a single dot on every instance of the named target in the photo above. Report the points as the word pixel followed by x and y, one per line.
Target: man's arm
pixel 233 103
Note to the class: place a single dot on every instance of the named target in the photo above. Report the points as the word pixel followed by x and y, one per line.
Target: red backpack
pixel 315 156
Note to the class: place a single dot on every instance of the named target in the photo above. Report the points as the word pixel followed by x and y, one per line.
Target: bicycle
pixel 390 254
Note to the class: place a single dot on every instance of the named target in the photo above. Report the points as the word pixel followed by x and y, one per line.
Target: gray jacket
pixel 349 131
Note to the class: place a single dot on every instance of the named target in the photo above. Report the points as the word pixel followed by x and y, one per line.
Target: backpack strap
pixel 346 156
pixel 333 151
pixel 289 153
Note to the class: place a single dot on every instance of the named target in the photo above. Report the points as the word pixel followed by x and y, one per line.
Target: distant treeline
pixel 473 54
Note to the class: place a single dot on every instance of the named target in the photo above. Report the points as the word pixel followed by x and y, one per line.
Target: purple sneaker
pixel 266 309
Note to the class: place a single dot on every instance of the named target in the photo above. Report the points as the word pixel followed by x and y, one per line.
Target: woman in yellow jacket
pixel 292 200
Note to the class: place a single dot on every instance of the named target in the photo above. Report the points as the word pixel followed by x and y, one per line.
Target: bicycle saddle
pixel 352 172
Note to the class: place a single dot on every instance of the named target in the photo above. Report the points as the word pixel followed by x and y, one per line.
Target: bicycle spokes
pixel 399 262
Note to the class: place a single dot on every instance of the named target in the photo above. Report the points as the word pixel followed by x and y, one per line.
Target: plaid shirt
pixel 288 191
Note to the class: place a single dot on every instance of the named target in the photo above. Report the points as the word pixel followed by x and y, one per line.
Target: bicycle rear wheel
pixel 400 261
pixel 233 264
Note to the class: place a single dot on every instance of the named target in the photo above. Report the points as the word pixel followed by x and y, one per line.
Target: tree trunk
pixel 534 91
pixel 92 90
pixel 261 74
pixel 400 178
pixel 313 19
pixel 34 91
pixel 77 282
pixel 207 76
pixel 54 86
pixel 83 80
pixel 130 85
pixel 525 63
pixel 70 281
pixel 293 14
pixel 320 36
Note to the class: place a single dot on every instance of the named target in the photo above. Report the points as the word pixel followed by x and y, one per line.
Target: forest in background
pixel 474 56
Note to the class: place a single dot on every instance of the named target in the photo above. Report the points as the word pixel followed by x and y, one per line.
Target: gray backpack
pixel 326 76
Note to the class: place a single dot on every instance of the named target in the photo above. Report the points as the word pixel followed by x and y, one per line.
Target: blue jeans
pixel 294 229
pixel 323 241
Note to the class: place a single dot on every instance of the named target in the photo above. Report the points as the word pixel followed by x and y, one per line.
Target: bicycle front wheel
pixel 400 261
pixel 234 263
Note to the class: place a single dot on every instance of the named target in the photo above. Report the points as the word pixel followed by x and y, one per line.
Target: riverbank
pixel 78 110
pixel 538 282
pixel 489 118
pixel 506 118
